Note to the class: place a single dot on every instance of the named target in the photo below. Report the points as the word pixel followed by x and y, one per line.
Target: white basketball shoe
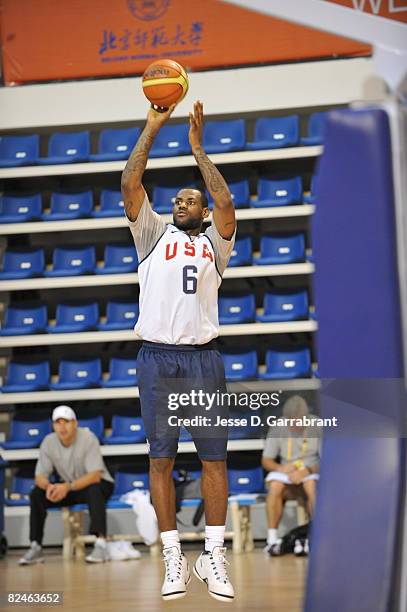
pixel 211 569
pixel 177 574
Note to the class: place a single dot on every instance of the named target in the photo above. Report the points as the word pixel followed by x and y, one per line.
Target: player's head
pixel 295 408
pixel 190 209
pixel 65 424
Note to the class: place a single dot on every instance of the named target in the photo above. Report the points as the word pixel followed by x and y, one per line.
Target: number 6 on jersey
pixel 190 282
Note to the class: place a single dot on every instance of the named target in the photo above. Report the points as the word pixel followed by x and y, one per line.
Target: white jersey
pixel 179 278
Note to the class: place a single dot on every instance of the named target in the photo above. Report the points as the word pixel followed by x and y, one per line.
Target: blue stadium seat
pixel 237 309
pixel 122 373
pixel 240 365
pixel 66 148
pixel 224 136
pixel 310 198
pixel 128 481
pixel 164 198
pixel 20 489
pixel 22 263
pixel 247 480
pixel 240 191
pixel 20 320
pixel 281 249
pixel 171 140
pixel 82 374
pixel 75 317
pixel 284 305
pixel 240 432
pixel 194 474
pixel 95 424
pixel 287 364
pixel 120 315
pixel 191 474
pixel 115 144
pixel 26 377
pixel 126 430
pixel 72 261
pixel 26 434
pixel 275 133
pixel 19 150
pixel 242 253
pixel 19 208
pixel 119 259
pixel 316 129
pixel 278 192
pixel 69 206
pixel 111 204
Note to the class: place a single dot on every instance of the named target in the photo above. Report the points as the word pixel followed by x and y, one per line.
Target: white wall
pixel 224 91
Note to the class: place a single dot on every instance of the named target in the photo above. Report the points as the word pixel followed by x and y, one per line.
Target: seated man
pixel 296 473
pixel 74 454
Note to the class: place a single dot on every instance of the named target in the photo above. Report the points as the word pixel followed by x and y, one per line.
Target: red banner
pixel 390 9
pixel 70 39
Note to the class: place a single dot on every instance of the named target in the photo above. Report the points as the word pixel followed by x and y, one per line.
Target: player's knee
pixel 161 466
pixel 96 486
pixel 275 489
pixel 310 488
pixel 94 489
pixel 37 493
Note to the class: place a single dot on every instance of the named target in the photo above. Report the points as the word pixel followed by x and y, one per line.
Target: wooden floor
pixel 261 583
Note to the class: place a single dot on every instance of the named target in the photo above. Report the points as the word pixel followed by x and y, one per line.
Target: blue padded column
pixel 354 537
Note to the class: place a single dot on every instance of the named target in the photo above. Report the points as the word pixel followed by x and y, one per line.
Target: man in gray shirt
pixel 74 454
pixel 297 449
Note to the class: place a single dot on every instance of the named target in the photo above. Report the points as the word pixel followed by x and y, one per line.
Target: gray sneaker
pixel 99 553
pixel 33 555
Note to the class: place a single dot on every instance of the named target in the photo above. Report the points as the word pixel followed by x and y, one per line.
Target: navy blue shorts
pixel 183 383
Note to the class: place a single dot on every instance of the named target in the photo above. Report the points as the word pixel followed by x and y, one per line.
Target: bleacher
pixel 67 236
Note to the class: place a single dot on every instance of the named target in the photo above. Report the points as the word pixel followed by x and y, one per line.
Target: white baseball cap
pixel 63 412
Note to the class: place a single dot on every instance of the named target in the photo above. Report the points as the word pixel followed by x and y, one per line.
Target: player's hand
pixel 156 119
pixel 61 491
pixel 296 477
pixel 196 121
pixel 286 468
pixel 49 491
pixel 58 492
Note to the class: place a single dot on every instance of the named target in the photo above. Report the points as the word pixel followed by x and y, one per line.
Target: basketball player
pixel 180 271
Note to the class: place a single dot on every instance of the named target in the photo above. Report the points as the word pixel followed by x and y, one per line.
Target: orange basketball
pixel 165 82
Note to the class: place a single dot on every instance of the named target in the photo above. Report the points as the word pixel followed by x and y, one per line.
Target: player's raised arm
pixel 131 184
pixel 223 211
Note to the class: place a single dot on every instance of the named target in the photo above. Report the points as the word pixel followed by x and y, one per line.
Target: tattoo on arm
pixel 132 189
pixel 214 181
pixel 224 212
pixel 137 161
